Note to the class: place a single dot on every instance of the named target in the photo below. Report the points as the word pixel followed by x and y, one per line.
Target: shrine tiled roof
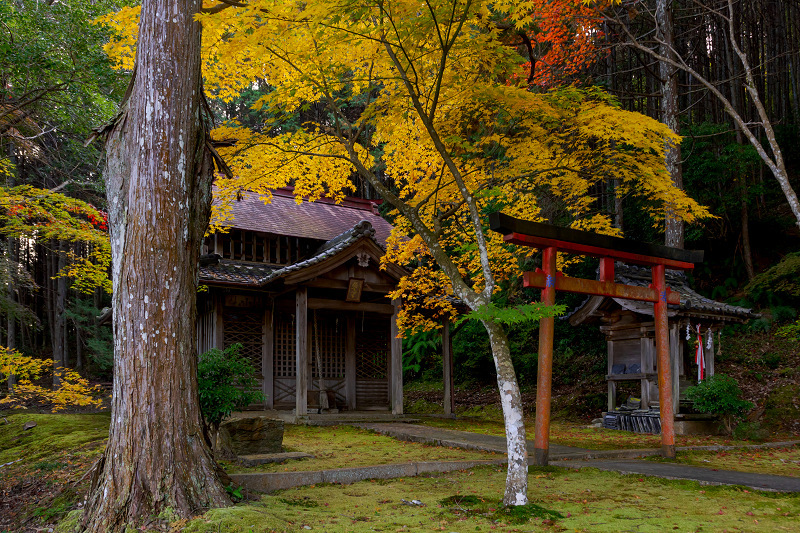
pixel 322 219
pixel 692 303
pixel 254 274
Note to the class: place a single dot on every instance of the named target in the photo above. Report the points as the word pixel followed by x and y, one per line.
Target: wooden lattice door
pixel 284 362
pixel 245 327
pixel 372 362
pixel 331 331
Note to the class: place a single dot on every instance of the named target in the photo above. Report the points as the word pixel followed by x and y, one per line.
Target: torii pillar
pixel 551 240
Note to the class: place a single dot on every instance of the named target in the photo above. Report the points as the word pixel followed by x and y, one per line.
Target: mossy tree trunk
pixel 158 186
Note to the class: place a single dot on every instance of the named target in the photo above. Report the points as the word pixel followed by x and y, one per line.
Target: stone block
pixel 250 436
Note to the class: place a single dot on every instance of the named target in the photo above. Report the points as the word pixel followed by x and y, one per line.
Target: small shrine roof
pixel 692 303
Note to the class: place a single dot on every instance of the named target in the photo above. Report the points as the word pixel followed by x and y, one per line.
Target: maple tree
pixel 560 40
pixel 73 389
pixel 40 215
pixel 443 132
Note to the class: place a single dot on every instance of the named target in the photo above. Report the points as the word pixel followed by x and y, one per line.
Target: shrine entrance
pixel 551 240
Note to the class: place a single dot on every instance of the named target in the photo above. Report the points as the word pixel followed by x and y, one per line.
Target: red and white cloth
pixel 699 357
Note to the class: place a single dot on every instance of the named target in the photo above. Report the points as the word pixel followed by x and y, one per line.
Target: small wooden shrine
pixel 630 332
pixel 300 287
pixel 553 239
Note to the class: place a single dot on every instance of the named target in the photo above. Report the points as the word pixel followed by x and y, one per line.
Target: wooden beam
pixel 602 288
pixel 267 359
pixel 301 359
pixel 396 362
pixel 569 240
pixel 447 368
pixel 321 303
pixel 218 325
pixel 350 362
pixel 327 283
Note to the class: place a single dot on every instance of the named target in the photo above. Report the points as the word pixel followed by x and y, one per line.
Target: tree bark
pixel 158 185
pixel 510 398
pixel 673 226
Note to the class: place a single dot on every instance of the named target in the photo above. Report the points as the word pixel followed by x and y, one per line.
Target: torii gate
pixel 552 239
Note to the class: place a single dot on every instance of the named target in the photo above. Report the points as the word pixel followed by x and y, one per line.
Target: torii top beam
pixel 540 235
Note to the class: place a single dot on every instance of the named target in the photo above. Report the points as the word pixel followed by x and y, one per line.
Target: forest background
pixel 56 84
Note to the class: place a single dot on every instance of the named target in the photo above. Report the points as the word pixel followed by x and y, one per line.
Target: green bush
pixel 749 431
pixel 226 383
pixel 782 408
pixel 720 395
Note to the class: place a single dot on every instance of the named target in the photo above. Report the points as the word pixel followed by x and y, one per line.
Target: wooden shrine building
pixel 629 329
pixel 301 289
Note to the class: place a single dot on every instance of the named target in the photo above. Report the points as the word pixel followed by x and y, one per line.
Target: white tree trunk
pixel 511 400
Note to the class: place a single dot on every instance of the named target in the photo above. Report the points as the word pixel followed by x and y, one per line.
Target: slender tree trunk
pixel 11 319
pixel 511 400
pixel 746 250
pixel 78 339
pixel 673 230
pixel 158 185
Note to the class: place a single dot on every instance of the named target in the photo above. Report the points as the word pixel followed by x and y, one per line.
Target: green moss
pixel 53 434
pixel 782 407
pixel 69 523
pixel 346 446
pixel 560 499
pixel 421 406
pixel 777 461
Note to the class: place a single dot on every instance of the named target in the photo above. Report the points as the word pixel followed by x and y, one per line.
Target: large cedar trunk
pixel 158 185
pixel 511 400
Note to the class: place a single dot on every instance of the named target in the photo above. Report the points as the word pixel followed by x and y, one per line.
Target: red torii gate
pixel 552 239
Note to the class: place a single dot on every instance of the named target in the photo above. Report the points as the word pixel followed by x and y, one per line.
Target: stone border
pixel 272 481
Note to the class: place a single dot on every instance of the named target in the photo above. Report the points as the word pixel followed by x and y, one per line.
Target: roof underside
pixel 259 275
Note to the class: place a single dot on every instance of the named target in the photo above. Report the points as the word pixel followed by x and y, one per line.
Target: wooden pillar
pixel 350 363
pixel 709 354
pixel 447 369
pixel 218 325
pixel 675 359
pixel 544 379
pixel 267 358
pixel 217 244
pixel 396 363
pixel 646 349
pixel 301 359
pixel 664 364
pixel 612 385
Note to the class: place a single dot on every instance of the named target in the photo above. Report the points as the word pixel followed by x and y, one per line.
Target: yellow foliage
pixel 73 390
pixel 39 215
pixel 438 116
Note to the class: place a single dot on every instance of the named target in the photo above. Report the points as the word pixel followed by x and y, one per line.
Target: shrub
pixel 226 382
pixel 720 395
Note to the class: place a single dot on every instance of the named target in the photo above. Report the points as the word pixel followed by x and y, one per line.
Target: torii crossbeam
pixel 552 239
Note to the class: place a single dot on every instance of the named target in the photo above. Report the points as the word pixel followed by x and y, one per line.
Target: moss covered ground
pixel 562 500
pixel 777 461
pixel 46 480
pixel 42 476
pixel 344 446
